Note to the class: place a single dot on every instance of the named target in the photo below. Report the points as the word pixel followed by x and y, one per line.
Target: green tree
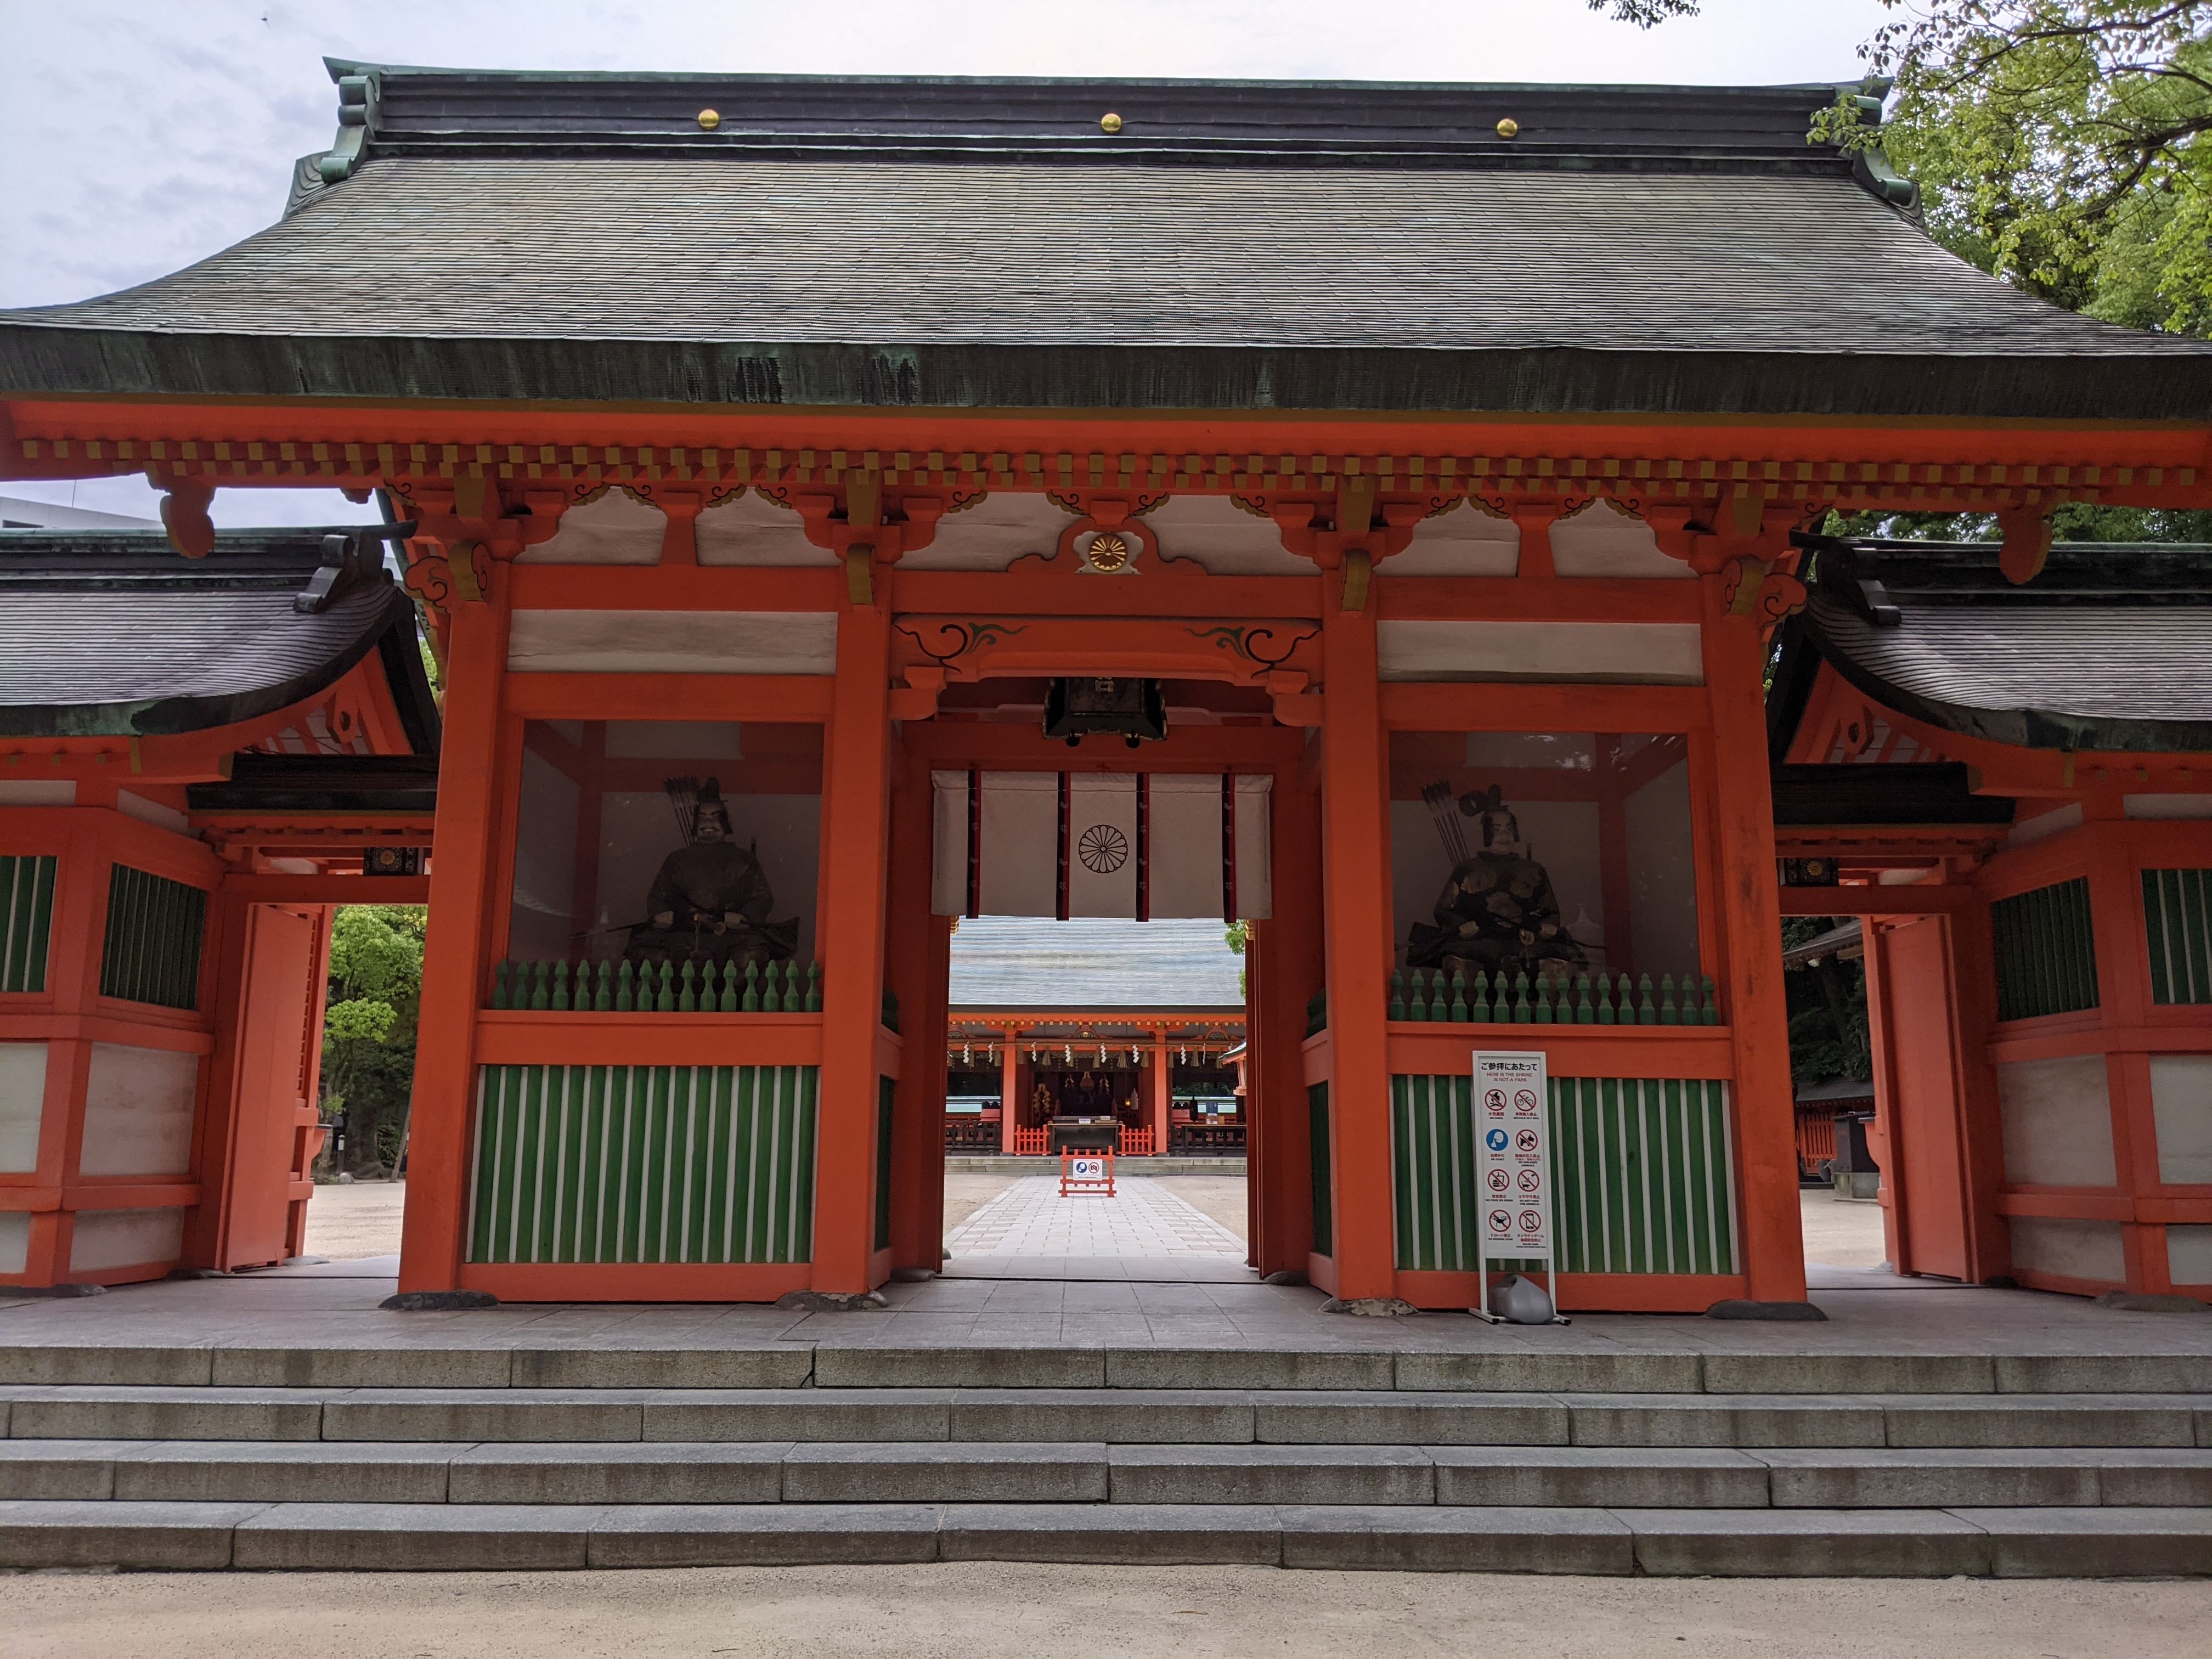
pixel 1827 1010
pixel 368 1025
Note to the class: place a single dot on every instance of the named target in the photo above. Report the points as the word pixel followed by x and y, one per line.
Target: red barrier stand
pixel 1086 1172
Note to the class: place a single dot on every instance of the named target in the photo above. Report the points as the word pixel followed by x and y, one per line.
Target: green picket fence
pixel 644 1163
pixel 1430 995
pixel 608 988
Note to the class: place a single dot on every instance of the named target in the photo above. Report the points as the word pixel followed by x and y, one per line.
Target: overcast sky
pixel 138 135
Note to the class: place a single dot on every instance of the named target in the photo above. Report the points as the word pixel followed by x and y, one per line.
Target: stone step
pixel 2004 1542
pixel 863 1365
pixel 965 1472
pixel 1113 1416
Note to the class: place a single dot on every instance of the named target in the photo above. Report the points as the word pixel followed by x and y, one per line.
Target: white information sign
pixel 1086 1169
pixel 1513 1165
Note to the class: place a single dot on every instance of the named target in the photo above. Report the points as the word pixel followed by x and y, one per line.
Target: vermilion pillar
pixel 1010 1088
pixel 1743 850
pixel 470 788
pixel 1356 903
pixel 916 952
pixel 1283 964
pixel 856 810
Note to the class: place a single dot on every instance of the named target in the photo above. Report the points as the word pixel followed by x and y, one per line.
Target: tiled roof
pixel 107 632
pixel 2110 648
pixel 974 243
pixel 1029 962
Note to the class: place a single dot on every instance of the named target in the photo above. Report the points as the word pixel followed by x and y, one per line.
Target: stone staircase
pixel 1751 1464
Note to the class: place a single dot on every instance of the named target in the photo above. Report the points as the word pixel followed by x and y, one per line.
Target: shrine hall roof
pixel 109 633
pixel 983 243
pixel 1008 962
pixel 2110 648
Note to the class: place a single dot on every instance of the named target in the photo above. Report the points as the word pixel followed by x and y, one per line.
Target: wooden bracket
pixel 2026 544
pixel 185 516
pixel 859 575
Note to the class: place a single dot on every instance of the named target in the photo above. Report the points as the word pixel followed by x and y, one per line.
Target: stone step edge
pixel 1753 1543
pixel 246 1365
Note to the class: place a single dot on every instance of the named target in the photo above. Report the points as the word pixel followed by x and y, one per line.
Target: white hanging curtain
pixel 1102 844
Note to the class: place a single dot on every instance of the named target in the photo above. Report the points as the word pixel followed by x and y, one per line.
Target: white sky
pixel 138 135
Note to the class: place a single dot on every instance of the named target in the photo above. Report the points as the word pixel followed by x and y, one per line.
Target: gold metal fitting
pixel 1110 122
pixel 1509 128
pixel 710 118
pixel 1107 552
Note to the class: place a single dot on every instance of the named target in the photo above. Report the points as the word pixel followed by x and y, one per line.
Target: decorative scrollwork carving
pixel 947 643
pixel 1255 642
pixel 1754 589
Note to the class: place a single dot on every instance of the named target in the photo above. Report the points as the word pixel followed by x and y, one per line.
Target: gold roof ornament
pixel 1509 128
pixel 709 119
pixel 1110 122
pixel 1107 552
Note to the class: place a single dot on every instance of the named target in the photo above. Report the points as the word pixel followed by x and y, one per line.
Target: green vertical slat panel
pixel 150 952
pixel 744 1200
pixel 1401 1204
pixel 491 1081
pixel 1421 1103
pixel 788 1166
pixel 2194 891
pixel 801 1246
pixel 1696 1156
pixel 648 1163
pixel 1566 1191
pixel 26 904
pixel 2156 910
pixel 1465 1198
pixel 630 1211
pixel 885 1090
pixel 714 1246
pixel 1317 1147
pixel 769 1127
pixel 2045 951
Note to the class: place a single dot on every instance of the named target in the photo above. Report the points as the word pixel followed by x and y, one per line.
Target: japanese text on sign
pixel 1513 1171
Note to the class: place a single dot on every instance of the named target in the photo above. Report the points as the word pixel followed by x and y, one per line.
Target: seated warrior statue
pixel 711 901
pixel 1498 914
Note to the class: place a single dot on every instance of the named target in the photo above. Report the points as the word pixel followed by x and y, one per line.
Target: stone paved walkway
pixel 1143 1231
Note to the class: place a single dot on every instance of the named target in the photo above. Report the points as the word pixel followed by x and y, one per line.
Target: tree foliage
pixel 1828 1009
pixel 2061 145
pixel 368 1023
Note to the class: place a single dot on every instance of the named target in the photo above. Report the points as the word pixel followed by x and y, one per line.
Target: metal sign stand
pixel 1513 1172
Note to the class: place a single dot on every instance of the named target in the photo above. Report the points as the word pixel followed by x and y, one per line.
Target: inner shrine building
pixel 842 506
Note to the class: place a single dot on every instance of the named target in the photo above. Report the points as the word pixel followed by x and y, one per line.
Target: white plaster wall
pixel 1464 540
pixel 23 1101
pixel 615 529
pixel 2077 1249
pixel 672 642
pixel 1649 653
pixel 125 1238
pixel 1005 526
pixel 750 529
pixel 152 812
pixel 1662 881
pixel 2181 1104
pixel 139 1106
pixel 2044 825
pixel 1218 534
pixel 38 792
pixel 2188 1256
pixel 1601 540
pixel 15 1241
pixel 2167 806
pixel 2058 1120
pixel 539 926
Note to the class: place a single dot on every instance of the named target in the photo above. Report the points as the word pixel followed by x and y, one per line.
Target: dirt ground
pixel 982 1610
pixel 347 1223
pixel 1841 1232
